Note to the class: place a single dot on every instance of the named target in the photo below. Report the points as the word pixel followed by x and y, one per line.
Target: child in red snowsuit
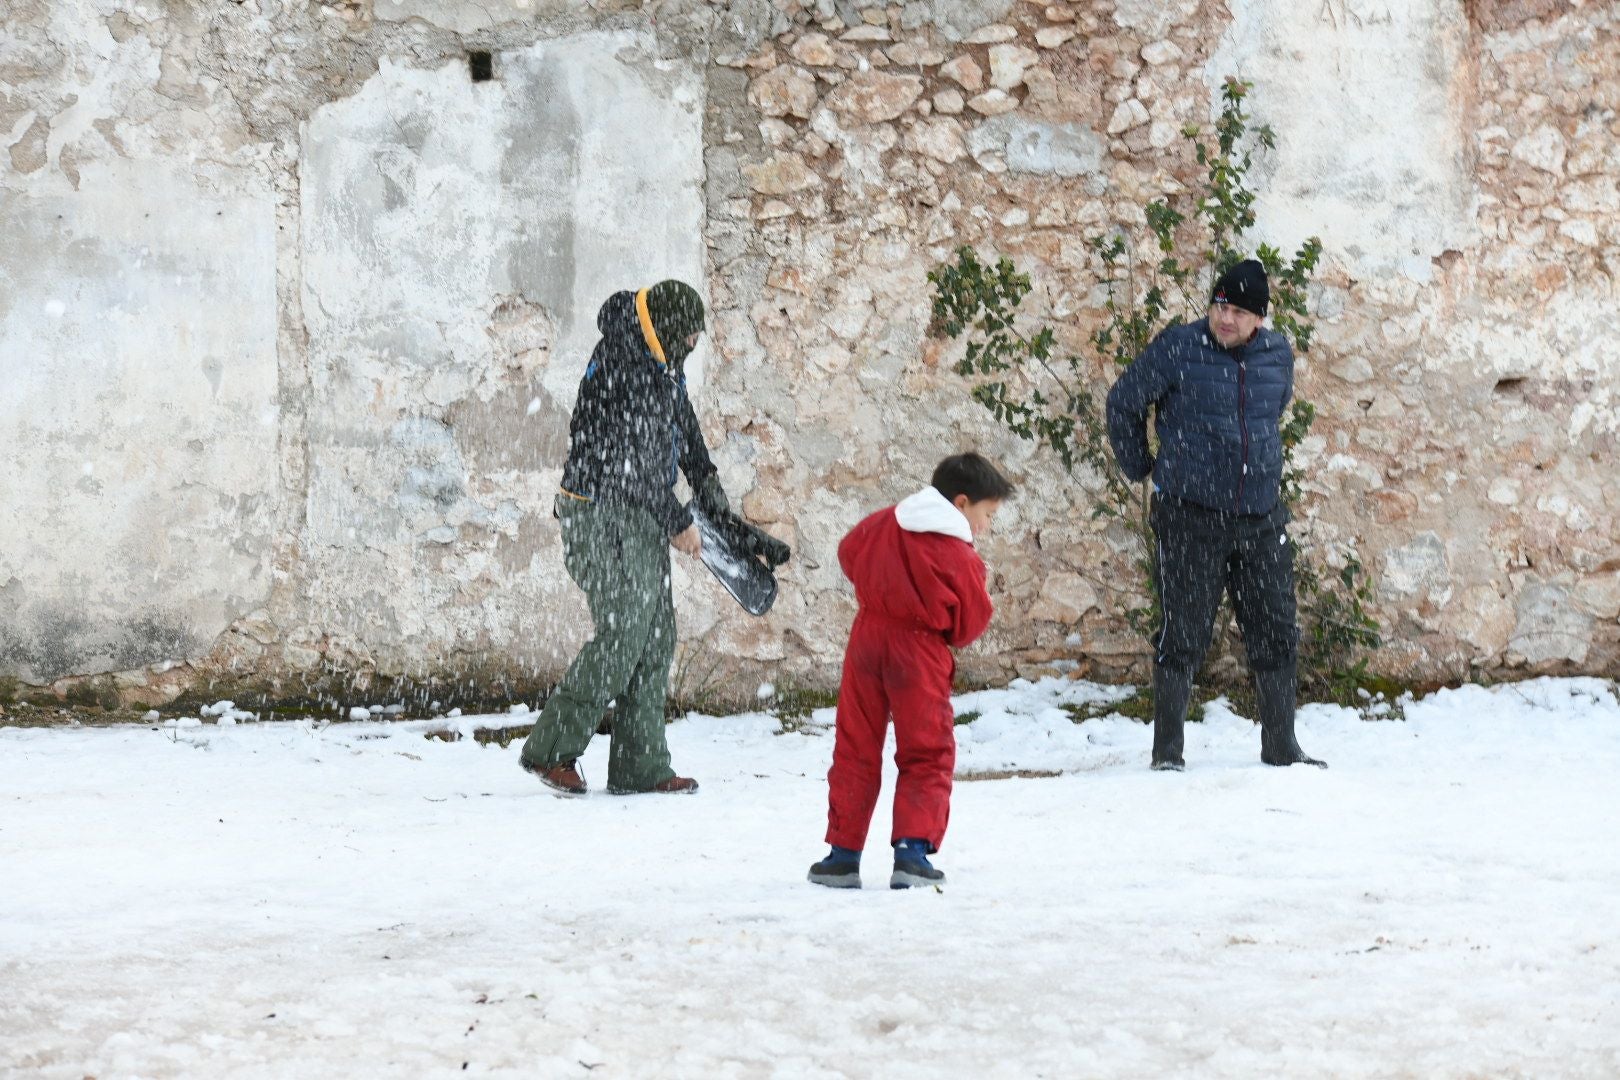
pixel 921 590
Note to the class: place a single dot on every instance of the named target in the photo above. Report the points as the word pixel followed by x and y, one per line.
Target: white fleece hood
pixel 929 511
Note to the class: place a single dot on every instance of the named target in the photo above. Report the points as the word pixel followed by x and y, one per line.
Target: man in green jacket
pixel 632 428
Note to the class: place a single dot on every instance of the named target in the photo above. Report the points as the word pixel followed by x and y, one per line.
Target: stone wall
pixel 292 310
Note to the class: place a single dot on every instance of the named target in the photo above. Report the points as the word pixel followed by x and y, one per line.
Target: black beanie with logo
pixel 1244 286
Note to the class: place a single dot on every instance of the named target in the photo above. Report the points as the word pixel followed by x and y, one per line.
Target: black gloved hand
pixel 757 541
pixel 746 537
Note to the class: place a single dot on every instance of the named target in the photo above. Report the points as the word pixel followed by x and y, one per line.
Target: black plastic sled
pixel 728 557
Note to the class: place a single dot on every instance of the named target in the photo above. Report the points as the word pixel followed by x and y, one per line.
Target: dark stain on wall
pixel 54 642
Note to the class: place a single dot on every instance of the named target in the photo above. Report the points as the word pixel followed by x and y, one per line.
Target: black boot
pixel 1171 691
pixel 1275 689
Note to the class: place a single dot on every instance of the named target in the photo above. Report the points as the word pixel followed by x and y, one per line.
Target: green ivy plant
pixel 1042 396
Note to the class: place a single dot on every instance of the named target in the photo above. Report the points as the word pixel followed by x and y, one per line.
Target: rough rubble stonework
pixel 292 311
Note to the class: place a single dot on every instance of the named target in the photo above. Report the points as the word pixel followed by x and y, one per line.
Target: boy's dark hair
pixel 971 475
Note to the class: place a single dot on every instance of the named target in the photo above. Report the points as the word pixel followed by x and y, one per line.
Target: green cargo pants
pixel 620 557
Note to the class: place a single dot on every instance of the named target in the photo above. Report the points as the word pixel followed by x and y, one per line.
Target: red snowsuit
pixel 921 590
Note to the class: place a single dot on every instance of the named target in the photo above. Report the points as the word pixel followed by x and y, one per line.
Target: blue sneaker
pixel 841 869
pixel 911 866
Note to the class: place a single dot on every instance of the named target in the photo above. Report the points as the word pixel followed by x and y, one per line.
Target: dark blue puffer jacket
pixel 1218 413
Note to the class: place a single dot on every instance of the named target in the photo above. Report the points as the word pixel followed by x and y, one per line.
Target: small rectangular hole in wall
pixel 481 65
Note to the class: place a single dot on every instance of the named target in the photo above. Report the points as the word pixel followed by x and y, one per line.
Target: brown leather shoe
pixel 564 778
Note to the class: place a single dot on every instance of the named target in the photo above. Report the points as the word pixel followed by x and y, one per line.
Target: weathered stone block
pixel 1008 64
pixel 1064 598
pixel 940 140
pixel 783 174
pixel 966 72
pixel 1599 595
pixel 993 103
pixel 784 91
pixel 1160 53
pixel 1417 569
pixel 1550 626
pixel 815 50
pixel 993 34
pixel 1544 149
pixel 872 97
pixel 1130 114
pixel 1040 148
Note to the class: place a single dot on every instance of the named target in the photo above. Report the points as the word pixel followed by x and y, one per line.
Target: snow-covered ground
pixel 356 900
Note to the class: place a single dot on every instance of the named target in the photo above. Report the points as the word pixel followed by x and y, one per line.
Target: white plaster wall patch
pixel 1363 97
pixel 142 382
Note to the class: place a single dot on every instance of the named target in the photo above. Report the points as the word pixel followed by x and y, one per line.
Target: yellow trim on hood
pixel 647 330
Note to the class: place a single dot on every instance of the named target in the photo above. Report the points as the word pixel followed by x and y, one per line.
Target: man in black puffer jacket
pixel 1217 389
pixel 633 430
